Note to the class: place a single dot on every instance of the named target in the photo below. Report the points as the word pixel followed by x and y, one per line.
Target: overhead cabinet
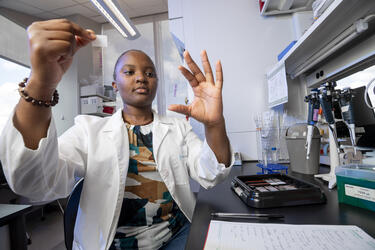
pixel 340 42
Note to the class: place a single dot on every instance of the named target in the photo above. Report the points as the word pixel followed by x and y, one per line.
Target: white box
pixel 94 89
pixel 91 105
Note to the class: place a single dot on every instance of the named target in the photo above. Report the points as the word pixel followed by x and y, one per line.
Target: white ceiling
pixel 48 9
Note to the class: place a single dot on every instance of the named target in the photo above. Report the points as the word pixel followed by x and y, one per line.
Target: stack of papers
pixel 225 235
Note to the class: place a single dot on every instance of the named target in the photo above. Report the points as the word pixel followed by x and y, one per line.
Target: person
pixel 136 164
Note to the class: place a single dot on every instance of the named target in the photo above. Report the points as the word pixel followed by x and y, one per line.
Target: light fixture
pixel 113 13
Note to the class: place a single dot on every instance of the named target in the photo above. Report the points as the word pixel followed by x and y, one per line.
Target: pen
pixel 247 216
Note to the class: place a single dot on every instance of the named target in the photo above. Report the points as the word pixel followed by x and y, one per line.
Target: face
pixel 136 79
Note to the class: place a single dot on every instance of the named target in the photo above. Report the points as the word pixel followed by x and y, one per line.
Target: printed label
pixel 345 108
pixel 360 192
pixel 238 191
pixel 315 115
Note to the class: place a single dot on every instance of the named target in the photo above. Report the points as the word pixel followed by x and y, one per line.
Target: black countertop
pixel 222 199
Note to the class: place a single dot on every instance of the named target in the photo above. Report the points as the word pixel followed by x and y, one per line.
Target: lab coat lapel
pixel 160 130
pixel 116 131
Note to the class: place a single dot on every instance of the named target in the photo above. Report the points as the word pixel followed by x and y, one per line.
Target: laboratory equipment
pixel 347 110
pixel 269 141
pixel 312 117
pixel 276 190
pixel 326 99
pixel 295 141
pixel 356 185
pixel 247 216
pixel 364 117
pixel 268 135
pixel 272 168
pixel 237 159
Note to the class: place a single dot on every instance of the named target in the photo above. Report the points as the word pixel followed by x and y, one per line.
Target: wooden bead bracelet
pixel 25 95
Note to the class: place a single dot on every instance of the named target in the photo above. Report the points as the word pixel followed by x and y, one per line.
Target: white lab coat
pixel 98 150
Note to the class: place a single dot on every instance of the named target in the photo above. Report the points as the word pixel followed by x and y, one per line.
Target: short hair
pixel 126 52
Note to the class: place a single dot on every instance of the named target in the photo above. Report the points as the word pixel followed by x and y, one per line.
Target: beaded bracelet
pixel 25 95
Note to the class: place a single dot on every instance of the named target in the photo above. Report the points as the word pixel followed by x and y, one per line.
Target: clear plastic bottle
pixel 274 158
pixel 268 156
pixel 265 157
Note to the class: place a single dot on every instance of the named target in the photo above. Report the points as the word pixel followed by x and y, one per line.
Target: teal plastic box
pixel 356 185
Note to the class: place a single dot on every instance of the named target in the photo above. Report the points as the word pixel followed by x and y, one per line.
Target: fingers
pixel 66 25
pixel 52 45
pixel 219 75
pixel 60 50
pixel 189 76
pixel 194 68
pixel 43 35
pixel 85 34
pixel 196 76
pixel 59 35
pixel 82 42
pixel 207 67
pixel 182 109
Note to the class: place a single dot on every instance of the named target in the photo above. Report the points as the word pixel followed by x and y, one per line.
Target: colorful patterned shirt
pixel 149 216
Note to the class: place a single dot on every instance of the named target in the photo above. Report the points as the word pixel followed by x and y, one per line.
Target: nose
pixel 140 78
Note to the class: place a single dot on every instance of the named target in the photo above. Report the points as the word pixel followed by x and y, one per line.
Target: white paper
pixel 100 41
pixel 277 85
pixel 225 235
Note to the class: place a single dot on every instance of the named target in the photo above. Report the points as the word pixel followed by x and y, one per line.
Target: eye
pixel 150 74
pixel 128 72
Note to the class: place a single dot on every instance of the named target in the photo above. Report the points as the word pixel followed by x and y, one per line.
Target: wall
pixel 13 42
pixel 248 45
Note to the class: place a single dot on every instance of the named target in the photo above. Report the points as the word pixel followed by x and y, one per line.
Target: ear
pixel 114 85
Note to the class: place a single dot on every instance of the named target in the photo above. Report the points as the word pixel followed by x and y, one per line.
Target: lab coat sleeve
pixel 49 172
pixel 202 163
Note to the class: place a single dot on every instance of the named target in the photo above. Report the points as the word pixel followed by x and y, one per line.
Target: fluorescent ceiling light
pixel 120 17
pixel 117 18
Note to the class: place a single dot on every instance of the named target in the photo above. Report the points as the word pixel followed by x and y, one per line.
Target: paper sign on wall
pixel 277 85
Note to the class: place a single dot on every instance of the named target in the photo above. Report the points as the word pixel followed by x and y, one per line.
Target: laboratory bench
pixel 14 216
pixel 221 198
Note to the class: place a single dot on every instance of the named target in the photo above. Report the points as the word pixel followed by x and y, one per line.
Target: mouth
pixel 141 90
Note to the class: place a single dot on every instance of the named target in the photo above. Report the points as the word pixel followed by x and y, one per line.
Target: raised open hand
pixel 207 106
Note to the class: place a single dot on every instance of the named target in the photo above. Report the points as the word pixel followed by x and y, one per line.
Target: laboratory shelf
pixel 338 17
